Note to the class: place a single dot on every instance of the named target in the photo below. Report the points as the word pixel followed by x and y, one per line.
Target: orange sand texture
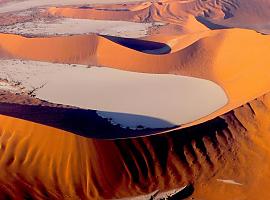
pixel 41 162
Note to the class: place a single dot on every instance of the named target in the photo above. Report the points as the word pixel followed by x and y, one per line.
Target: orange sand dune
pixel 178 42
pixel 214 14
pixel 40 162
pixel 55 49
pixel 227 57
pixel 222 156
pixel 107 13
pixel 142 12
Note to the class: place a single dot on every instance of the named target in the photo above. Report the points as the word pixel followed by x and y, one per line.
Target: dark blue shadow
pixel 145 46
pixel 210 24
pixel 79 121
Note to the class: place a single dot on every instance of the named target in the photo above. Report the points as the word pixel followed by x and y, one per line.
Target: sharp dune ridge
pixel 218 148
pixel 222 13
pixel 224 155
pixel 210 57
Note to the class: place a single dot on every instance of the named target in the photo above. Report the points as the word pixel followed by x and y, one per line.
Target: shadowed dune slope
pixel 241 13
pixel 214 14
pixel 40 162
pixel 82 122
pixel 173 10
pixel 225 155
pixel 227 57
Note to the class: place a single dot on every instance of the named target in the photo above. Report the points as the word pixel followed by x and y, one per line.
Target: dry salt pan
pixel 27 4
pixel 131 99
pixel 68 26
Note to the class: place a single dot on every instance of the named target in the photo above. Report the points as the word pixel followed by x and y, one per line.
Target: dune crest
pixel 225 57
pixel 58 151
pixel 36 158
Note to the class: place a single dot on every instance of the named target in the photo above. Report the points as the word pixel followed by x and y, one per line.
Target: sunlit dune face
pixel 116 99
pixel 207 55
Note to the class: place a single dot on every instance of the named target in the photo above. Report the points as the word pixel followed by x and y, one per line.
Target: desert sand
pixel 207 58
pixel 54 148
pixel 212 145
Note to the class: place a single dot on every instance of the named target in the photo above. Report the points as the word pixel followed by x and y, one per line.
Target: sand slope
pixel 227 57
pixel 33 156
pixel 79 49
pixel 224 155
pixel 214 14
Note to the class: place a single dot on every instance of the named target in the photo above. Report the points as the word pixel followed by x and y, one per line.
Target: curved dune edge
pixel 149 101
pixel 225 155
pixel 226 57
pixel 213 14
pixel 36 162
pixel 176 21
pixel 172 12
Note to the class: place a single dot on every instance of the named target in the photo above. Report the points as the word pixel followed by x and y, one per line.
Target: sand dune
pixel 106 13
pixel 157 195
pixel 226 57
pixel 252 15
pixel 33 156
pixel 223 155
pixel 55 49
pixel 213 14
